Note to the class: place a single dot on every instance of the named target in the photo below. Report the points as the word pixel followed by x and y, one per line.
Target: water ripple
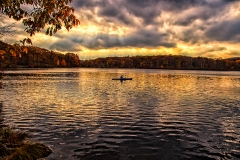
pixel 83 114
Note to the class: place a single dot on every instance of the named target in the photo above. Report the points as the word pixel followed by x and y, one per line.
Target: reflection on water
pixel 160 114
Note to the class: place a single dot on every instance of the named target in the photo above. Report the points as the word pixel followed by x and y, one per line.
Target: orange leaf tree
pixel 38 14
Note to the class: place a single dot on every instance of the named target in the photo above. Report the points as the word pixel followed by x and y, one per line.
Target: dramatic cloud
pixel 145 37
pixel 140 13
pixel 224 31
pixel 64 45
pixel 189 27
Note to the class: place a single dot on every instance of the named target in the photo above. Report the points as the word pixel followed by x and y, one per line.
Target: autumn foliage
pixel 12 56
pixel 52 14
pixel 164 62
pixel 15 56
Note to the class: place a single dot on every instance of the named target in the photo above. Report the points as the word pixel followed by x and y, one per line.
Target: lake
pixel 160 114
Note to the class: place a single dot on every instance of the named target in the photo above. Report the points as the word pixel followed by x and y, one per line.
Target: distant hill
pixel 17 56
pixel 165 62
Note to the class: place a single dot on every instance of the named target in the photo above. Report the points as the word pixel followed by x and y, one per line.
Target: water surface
pixel 160 114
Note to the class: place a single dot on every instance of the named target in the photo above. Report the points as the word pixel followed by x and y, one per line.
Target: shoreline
pixel 41 68
pixel 15 144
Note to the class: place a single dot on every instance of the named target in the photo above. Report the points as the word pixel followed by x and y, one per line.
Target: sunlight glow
pixel 186 29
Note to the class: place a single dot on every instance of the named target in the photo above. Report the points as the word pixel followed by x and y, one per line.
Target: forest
pixel 19 56
pixel 165 62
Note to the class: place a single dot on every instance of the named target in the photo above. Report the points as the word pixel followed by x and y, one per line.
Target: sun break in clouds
pixel 149 27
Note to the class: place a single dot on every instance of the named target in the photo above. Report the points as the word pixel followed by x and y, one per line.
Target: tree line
pixel 19 56
pixel 165 62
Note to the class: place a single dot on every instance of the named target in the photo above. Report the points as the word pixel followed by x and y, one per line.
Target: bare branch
pixel 6 29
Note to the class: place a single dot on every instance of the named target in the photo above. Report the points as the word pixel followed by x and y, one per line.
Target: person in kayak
pixel 121 77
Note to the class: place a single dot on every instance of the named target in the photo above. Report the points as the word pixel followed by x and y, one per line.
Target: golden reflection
pixel 189 107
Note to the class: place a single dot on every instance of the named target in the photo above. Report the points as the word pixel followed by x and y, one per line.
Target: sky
pixel 207 28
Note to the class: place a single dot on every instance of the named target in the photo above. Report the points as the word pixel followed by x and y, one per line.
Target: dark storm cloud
pixel 140 38
pixel 87 3
pixel 141 8
pixel 113 14
pixel 64 45
pixel 204 11
pixel 225 31
pixel 137 14
pixel 148 37
pixel 118 9
pixel 146 9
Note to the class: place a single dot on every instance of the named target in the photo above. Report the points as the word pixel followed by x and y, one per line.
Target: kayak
pixel 122 79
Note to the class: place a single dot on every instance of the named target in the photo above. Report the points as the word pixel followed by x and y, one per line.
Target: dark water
pixel 160 114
